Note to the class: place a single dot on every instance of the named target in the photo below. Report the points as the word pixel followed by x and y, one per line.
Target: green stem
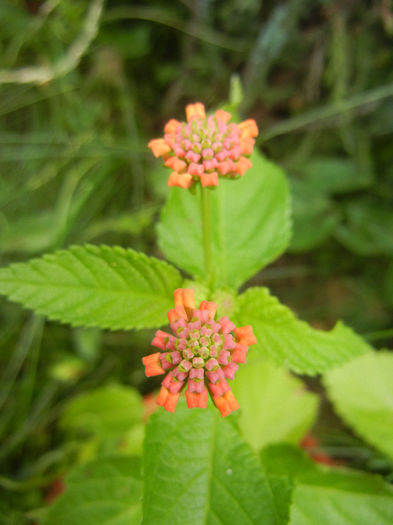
pixel 382 334
pixel 206 233
pixel 328 114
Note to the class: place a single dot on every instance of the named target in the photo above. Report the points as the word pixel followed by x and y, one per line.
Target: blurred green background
pixel 83 86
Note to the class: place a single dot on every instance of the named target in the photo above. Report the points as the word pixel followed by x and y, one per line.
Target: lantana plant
pixel 226 217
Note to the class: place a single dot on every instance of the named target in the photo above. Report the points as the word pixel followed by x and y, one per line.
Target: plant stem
pixel 382 334
pixel 327 115
pixel 206 232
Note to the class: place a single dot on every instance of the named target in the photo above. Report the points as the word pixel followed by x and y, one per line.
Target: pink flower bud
pixel 230 370
pixel 223 357
pixel 211 364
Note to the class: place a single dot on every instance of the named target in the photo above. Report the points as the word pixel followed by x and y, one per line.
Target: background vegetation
pixel 83 87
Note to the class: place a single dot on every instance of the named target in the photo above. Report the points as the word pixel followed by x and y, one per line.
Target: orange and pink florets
pixel 205 147
pixel 200 357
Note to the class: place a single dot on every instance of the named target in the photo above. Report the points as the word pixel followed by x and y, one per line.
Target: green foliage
pixel 293 343
pixel 75 168
pixel 250 225
pixel 274 406
pixel 334 175
pixel 198 470
pixel 94 286
pixel 310 207
pixel 330 495
pixel 322 178
pixel 104 416
pixel 107 491
pixel 368 229
pixel 362 394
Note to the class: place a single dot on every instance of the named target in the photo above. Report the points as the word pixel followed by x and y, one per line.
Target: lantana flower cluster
pixel 205 147
pixel 200 357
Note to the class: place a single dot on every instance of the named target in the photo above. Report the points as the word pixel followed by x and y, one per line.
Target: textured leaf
pixel 293 343
pixel 250 226
pixel 326 496
pixel 94 286
pixel 274 406
pixel 362 394
pixel 199 471
pixel 104 492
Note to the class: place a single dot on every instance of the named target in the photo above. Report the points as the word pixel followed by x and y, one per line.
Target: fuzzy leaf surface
pixel 274 405
pixel 291 342
pixel 199 471
pixel 362 394
pixel 102 286
pixel 107 491
pixel 250 224
pixel 325 495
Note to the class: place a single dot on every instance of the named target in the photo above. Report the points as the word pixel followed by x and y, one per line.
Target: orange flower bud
pixel 159 147
pixel 210 306
pixel 249 128
pixel 231 400
pixel 224 116
pixel 171 126
pixel 247 145
pixel 171 401
pixel 176 164
pixel 226 403
pixel 162 396
pixel 195 399
pixel 177 313
pixel 153 365
pixel 185 297
pixel 194 111
pixel 239 354
pixel 245 335
pixel 209 179
pixel 242 165
pixel 183 180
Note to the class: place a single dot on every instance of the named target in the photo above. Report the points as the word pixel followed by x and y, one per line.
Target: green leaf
pixel 108 411
pixel 104 421
pixel 369 227
pixel 250 224
pixel 388 284
pixel 29 235
pixel 283 459
pixel 362 394
pixel 128 223
pixel 327 496
pixel 107 492
pixel 335 175
pixel 341 498
pixel 310 207
pixel 293 343
pixel 199 471
pixel 274 406
pixel 94 286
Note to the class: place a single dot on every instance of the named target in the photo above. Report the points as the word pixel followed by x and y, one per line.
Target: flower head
pixel 201 355
pixel 204 148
